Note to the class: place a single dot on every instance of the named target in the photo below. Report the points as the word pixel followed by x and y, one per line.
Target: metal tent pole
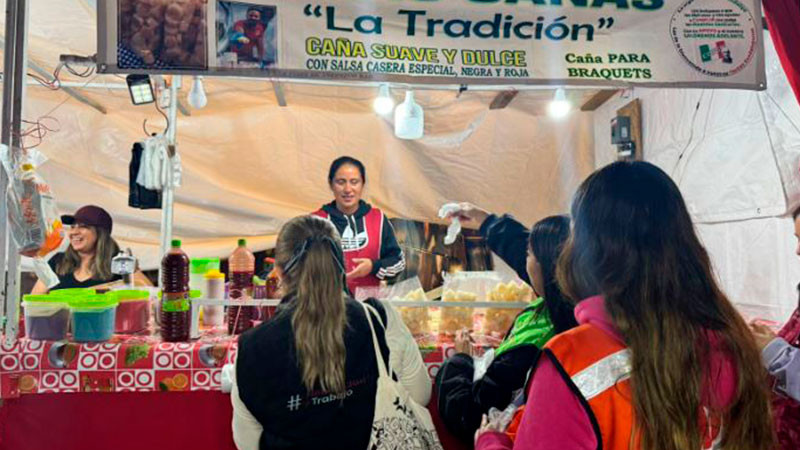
pixel 168 192
pixel 15 63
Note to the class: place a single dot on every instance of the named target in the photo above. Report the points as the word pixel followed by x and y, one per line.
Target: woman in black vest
pixel 307 378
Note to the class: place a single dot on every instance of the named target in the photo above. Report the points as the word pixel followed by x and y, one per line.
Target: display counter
pixel 135 391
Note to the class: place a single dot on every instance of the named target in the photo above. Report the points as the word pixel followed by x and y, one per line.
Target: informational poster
pixel 701 43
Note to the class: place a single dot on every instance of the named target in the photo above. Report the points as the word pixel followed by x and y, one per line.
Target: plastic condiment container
pixel 93 317
pixel 46 317
pixel 133 310
pixel 214 315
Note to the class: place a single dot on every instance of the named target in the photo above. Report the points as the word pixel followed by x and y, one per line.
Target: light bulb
pixel 409 119
pixel 559 107
pixel 384 103
pixel 197 96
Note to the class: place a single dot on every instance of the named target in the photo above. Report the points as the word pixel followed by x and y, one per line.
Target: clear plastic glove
pixel 501 419
pixel 451 210
pixel 45 273
pixel 481 364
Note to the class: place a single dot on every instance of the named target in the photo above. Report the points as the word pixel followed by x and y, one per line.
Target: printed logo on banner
pixel 715 37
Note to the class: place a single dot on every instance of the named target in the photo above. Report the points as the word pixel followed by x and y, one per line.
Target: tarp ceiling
pixel 249 164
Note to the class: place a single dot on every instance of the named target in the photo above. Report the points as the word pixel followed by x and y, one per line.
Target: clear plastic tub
pixel 133 311
pixel 93 318
pixel 46 317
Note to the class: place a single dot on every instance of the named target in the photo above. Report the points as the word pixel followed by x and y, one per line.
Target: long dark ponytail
pixel 546 241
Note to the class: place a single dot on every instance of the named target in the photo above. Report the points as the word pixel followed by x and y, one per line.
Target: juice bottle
pixel 241 268
pixel 273 288
pixel 176 314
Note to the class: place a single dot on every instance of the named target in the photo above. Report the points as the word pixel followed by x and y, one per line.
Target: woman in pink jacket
pixel 660 359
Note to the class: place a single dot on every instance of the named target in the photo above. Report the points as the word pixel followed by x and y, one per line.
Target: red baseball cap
pixel 90 215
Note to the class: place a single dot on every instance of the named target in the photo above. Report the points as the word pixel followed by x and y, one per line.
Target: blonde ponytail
pixel 309 253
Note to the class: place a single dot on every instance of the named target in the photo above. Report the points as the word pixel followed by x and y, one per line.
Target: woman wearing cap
pixel 87 260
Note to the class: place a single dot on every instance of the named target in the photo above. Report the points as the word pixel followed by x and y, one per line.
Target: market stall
pixel 253 155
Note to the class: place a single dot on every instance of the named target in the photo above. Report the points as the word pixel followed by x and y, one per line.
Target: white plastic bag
pixel 455 223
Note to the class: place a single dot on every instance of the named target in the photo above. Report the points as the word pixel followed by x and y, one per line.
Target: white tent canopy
pixel 735 156
pixel 250 164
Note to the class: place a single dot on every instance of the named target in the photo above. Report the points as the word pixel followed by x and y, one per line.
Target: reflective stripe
pixel 604 374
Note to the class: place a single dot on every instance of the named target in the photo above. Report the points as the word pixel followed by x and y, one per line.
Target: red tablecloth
pixel 130 364
pixel 113 395
pixel 125 364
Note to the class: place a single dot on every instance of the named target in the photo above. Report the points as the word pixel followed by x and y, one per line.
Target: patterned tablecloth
pixel 130 363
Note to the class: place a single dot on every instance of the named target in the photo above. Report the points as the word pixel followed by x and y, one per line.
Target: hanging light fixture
pixel 197 96
pixel 140 89
pixel 384 103
pixel 409 118
pixel 559 107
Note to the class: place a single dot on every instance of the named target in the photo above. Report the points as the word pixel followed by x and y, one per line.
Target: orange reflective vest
pixel 597 368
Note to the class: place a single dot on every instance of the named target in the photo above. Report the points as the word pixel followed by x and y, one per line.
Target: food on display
pixel 416 319
pixel 499 320
pixel 133 311
pixel 141 27
pixel 46 317
pixel 167 31
pixel 456 318
pixel 93 318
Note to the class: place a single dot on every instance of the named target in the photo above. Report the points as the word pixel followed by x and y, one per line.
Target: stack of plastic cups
pixel 214 315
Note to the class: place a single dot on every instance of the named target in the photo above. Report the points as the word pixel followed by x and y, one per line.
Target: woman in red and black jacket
pixel 370 248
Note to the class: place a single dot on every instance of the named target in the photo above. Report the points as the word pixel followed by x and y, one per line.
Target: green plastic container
pixel 46 317
pixel 203 265
pixel 197 270
pixel 93 317
pixel 73 292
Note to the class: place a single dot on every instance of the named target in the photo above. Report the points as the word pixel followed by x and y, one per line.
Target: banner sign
pixel 691 43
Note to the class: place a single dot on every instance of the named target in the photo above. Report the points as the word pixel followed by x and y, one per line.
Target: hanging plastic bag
pixel 33 217
pixel 454 229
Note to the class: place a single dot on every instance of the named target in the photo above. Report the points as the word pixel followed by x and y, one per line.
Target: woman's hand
pixel 464 342
pixel 763 334
pixel 470 215
pixel 362 269
pixel 486 427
